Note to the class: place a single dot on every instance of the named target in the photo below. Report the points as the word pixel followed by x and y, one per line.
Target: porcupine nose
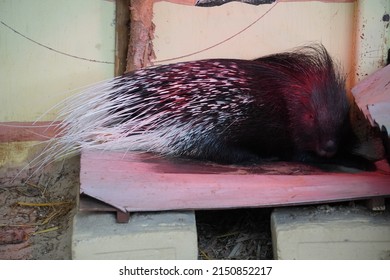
pixel 328 149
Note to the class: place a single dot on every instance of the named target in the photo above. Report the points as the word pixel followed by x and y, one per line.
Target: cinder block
pixel 161 235
pixel 330 233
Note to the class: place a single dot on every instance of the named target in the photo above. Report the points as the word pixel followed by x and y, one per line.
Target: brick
pixel 160 235
pixel 330 233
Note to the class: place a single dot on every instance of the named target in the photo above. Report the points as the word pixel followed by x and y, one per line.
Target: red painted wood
pixel 372 95
pixel 27 131
pixel 141 182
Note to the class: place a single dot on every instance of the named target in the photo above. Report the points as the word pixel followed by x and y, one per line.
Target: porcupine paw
pixel 355 161
pixel 239 156
pixel 345 160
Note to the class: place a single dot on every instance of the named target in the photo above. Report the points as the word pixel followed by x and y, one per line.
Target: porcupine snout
pixel 328 149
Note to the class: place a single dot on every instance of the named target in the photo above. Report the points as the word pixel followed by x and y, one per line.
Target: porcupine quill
pixel 290 105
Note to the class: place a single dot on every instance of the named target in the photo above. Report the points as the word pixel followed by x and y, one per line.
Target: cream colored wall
pixel 184 29
pixel 373 35
pixel 32 78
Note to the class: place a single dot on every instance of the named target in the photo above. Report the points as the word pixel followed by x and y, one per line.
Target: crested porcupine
pixel 287 105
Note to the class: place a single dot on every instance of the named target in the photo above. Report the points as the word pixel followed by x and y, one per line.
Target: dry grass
pixel 234 234
pixel 35 219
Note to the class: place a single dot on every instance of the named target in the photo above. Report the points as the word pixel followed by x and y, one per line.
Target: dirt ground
pixel 36 217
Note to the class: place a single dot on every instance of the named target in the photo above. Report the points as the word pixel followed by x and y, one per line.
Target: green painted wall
pixel 33 78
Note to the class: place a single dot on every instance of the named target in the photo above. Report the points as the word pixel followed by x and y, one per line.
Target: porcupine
pixel 289 105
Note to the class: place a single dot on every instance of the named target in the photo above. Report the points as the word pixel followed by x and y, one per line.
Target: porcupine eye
pixel 308 131
pixel 309 119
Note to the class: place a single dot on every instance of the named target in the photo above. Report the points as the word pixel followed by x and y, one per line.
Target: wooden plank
pixel 142 182
pixel 376 204
pixel 381 112
pixel 27 131
pixel 372 95
pixel 88 204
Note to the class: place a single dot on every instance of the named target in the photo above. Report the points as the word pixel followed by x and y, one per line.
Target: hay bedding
pixel 234 234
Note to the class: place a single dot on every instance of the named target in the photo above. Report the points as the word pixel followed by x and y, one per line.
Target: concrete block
pixel 330 232
pixel 160 235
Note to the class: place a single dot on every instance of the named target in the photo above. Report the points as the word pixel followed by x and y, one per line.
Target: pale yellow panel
pixel 33 78
pixel 182 30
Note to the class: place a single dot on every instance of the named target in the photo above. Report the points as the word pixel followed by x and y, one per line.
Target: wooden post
pixel 140 49
pixel 122 30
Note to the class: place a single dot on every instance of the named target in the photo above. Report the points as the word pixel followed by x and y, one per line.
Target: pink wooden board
pixel 372 95
pixel 142 182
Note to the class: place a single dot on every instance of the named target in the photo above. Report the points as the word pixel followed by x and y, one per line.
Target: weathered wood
pixel 376 204
pixel 27 131
pixel 143 182
pixel 122 30
pixel 89 204
pixel 122 217
pixel 140 50
pixel 372 95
